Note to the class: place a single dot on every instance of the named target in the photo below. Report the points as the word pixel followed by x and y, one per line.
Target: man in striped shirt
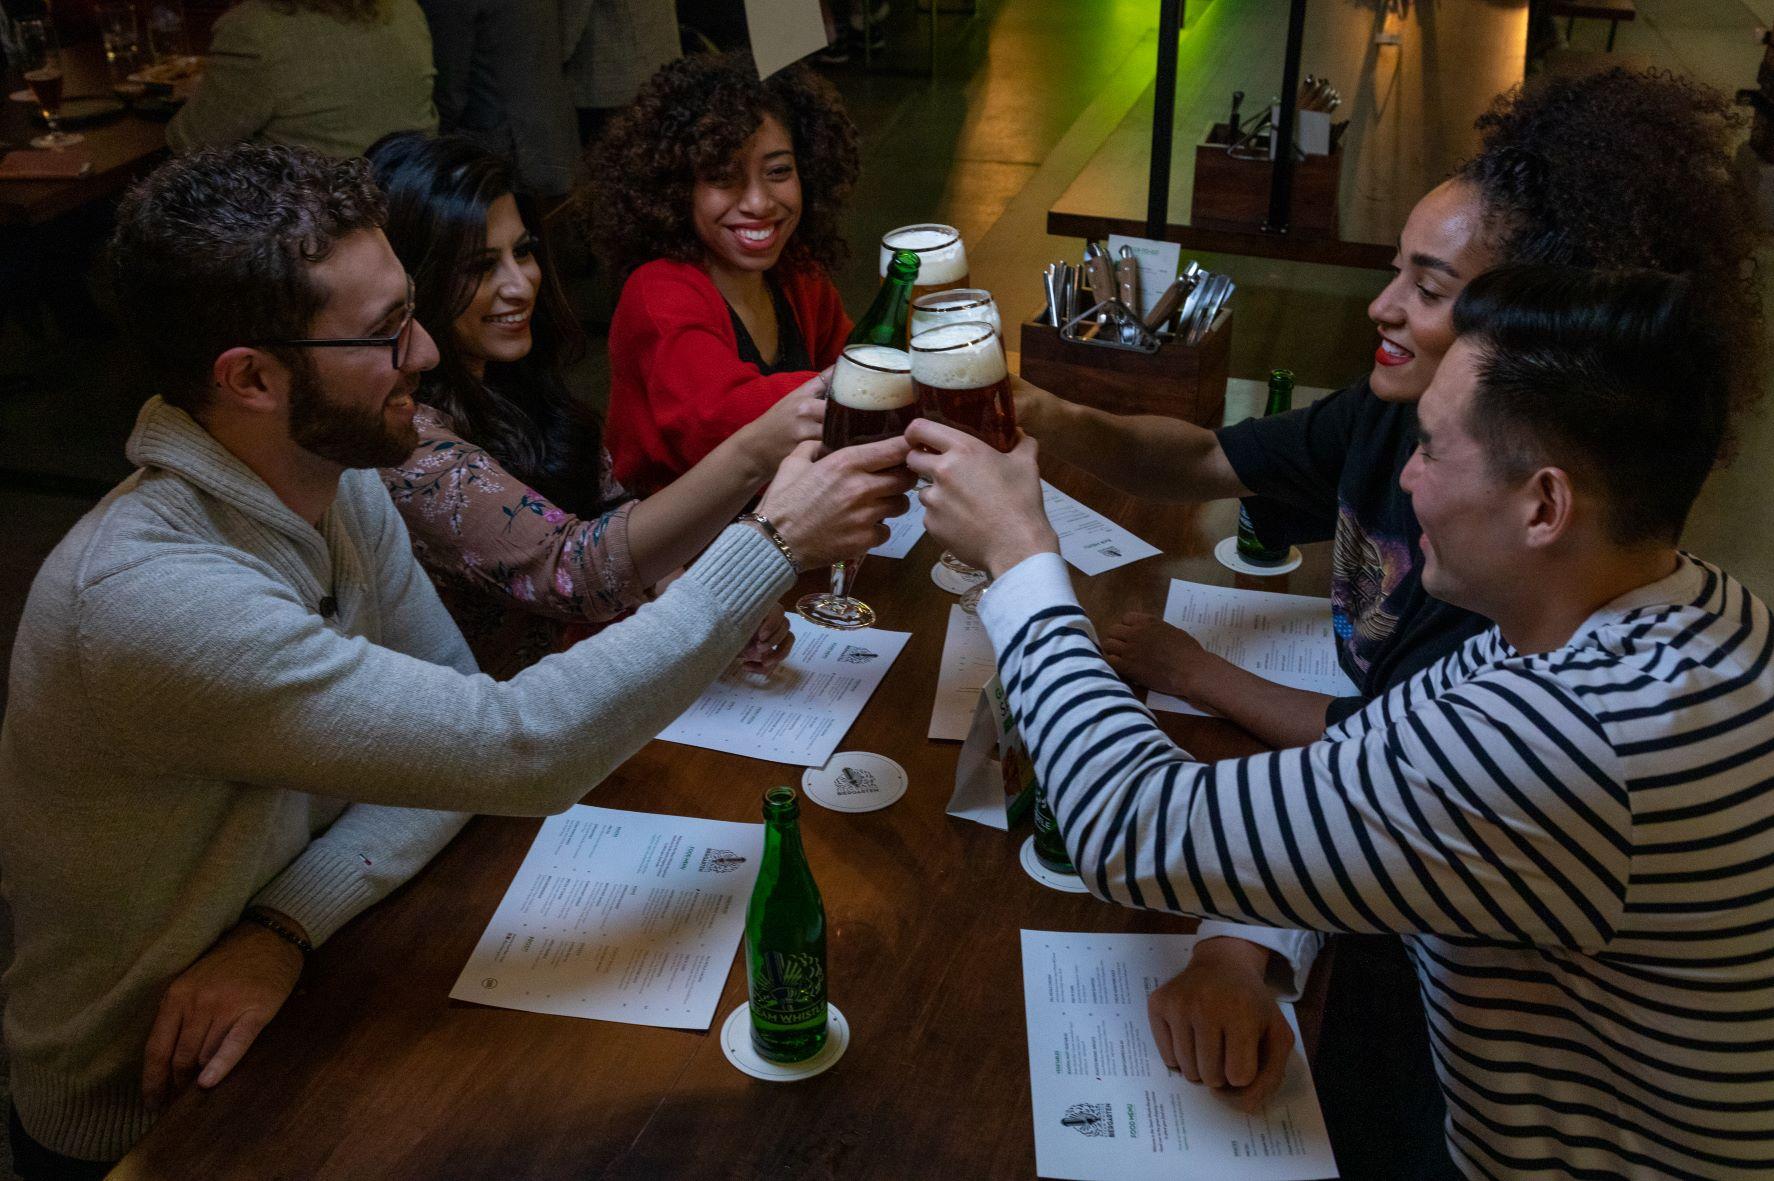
pixel 1571 817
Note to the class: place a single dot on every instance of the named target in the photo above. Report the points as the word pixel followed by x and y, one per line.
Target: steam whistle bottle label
pixel 785 941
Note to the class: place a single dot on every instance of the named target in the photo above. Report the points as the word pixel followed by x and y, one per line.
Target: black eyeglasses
pixel 395 344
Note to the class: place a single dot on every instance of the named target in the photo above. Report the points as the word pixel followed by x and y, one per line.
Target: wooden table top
pixel 1410 108
pixel 371 1071
pixel 121 149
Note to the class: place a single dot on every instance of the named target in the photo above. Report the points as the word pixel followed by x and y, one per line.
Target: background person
pixel 279 722
pixel 718 197
pixel 508 496
pixel 1566 817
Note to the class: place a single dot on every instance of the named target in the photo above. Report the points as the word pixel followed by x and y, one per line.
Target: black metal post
pixel 1281 179
pixel 1164 107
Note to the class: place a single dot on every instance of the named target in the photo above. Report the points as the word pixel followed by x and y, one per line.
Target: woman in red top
pixel 718 197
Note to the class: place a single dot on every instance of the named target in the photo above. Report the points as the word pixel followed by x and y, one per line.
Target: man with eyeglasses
pixel 238 712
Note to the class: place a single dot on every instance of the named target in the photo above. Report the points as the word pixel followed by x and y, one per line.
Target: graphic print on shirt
pixel 1367 570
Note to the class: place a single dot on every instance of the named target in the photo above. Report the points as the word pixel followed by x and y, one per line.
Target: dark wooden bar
pixel 371 1071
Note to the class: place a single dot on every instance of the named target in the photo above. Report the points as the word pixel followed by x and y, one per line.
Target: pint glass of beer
pixel 942 256
pixel 871 399
pixel 950 307
pixel 961 378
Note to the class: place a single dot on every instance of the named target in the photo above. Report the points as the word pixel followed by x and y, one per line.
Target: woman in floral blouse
pixel 508 497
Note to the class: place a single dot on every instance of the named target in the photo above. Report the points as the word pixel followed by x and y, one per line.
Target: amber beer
pixel 961 380
pixel 942 256
pixel 872 396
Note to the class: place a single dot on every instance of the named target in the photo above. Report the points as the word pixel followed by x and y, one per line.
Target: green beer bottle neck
pixel 1281 392
pixel 885 320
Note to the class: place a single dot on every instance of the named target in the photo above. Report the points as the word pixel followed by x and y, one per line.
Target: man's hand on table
pixel 215 1008
pixel 832 509
pixel 1148 651
pixel 983 504
pixel 1219 1023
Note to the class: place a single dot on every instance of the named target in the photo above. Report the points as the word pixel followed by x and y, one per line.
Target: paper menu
pixel 801 711
pixel 1088 540
pixel 783 32
pixel 619 916
pixel 905 531
pixel 1282 638
pixel 968 662
pixel 1105 1106
pixel 1158 263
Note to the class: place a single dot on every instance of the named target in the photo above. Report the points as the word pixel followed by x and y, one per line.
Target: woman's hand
pixel 1146 650
pixel 769 645
pixel 829 510
pixel 1218 1023
pixel 798 416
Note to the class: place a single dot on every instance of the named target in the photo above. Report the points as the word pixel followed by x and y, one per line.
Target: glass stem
pixel 842 573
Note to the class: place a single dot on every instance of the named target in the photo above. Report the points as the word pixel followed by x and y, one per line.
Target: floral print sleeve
pixel 478 528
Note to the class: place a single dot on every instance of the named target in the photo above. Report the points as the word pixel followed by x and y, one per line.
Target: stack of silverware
pixel 1109 315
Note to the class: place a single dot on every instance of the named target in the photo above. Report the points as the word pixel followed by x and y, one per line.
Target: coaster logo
pixel 855 655
pixel 854 781
pixel 721 861
pixel 1090 1119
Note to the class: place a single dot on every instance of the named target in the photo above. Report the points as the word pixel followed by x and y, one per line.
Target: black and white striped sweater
pixel 1579 846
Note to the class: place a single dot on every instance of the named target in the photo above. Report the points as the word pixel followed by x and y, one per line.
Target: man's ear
pixel 250 380
pixel 1552 507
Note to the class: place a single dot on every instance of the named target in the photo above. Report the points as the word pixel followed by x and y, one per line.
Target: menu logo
pixel 854 781
pixel 854 655
pixel 720 861
pixel 1090 1119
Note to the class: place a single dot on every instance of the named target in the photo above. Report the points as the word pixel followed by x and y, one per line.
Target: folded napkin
pixel 33 164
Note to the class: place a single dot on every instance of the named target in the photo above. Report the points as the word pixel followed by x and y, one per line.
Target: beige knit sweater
pixel 187 734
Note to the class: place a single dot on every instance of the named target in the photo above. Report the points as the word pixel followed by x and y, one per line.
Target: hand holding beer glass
pixel 871 399
pixel 962 380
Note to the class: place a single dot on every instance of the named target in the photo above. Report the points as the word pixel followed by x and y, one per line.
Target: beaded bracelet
pixel 278 929
pixel 763 522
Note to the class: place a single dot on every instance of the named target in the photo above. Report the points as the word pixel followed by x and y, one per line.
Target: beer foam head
pixel 958 357
pixel 873 377
pixel 942 256
pixel 950 307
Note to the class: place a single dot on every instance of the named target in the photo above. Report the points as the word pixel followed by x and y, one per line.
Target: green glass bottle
pixel 1050 846
pixel 785 941
pixel 1251 547
pixel 885 321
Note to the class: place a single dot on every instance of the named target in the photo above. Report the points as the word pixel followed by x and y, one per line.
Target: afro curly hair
pixel 1626 170
pixel 689 123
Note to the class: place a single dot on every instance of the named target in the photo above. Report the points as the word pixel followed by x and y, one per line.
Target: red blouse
pixel 677 385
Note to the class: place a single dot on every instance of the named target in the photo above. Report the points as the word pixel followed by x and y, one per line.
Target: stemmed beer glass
pixel 871 399
pixel 43 74
pixel 942 256
pixel 962 380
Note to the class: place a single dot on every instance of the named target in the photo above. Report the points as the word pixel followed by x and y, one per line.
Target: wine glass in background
pixel 42 59
pixel 122 38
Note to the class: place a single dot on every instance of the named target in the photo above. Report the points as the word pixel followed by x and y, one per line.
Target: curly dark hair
pixel 689 123
pixel 215 248
pixel 1625 169
pixel 439 191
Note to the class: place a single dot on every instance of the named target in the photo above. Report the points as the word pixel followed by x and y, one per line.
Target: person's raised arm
pixel 1490 808
pixel 1149 456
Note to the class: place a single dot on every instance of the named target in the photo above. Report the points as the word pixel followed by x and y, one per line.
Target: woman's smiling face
pixel 1442 247
pixel 744 215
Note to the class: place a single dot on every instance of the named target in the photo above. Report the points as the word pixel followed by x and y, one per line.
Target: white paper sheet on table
pixel 906 529
pixel 619 916
pixel 801 712
pixel 1158 263
pixel 1108 1109
pixel 1283 638
pixel 783 32
pixel 967 664
pixel 1087 539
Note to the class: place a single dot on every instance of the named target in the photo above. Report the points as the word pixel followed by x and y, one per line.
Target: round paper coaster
pixel 736 1045
pixel 953 581
pixel 1227 552
pixel 1066 883
pixel 855 781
